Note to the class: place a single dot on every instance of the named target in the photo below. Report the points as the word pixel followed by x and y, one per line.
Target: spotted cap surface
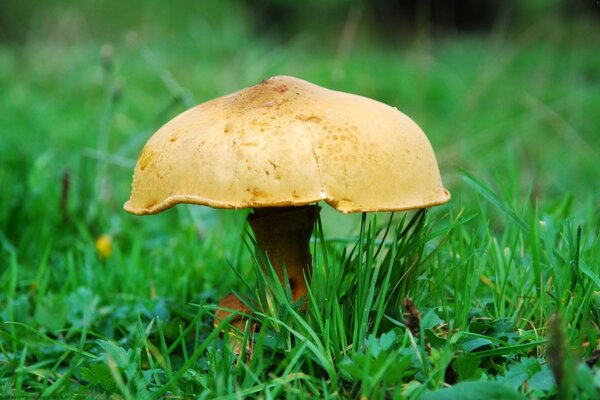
pixel 288 142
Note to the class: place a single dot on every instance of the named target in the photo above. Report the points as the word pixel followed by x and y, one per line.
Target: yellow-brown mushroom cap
pixel 288 142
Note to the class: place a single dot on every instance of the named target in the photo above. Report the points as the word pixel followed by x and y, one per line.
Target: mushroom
pixel 278 147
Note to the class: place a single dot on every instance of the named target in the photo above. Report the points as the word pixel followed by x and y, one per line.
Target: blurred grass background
pixel 499 87
pixel 507 91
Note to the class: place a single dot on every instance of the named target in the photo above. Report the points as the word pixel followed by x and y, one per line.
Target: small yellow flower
pixel 104 246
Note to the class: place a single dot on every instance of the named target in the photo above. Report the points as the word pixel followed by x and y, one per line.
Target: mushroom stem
pixel 283 234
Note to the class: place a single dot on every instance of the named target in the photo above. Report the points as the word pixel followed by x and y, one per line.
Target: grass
pixel 503 281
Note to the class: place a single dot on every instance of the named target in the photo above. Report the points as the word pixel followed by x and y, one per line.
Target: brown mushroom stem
pixel 283 234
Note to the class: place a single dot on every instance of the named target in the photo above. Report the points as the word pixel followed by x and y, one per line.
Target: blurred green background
pixel 507 91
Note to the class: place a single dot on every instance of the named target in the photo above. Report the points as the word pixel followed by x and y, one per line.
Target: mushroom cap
pixel 287 142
